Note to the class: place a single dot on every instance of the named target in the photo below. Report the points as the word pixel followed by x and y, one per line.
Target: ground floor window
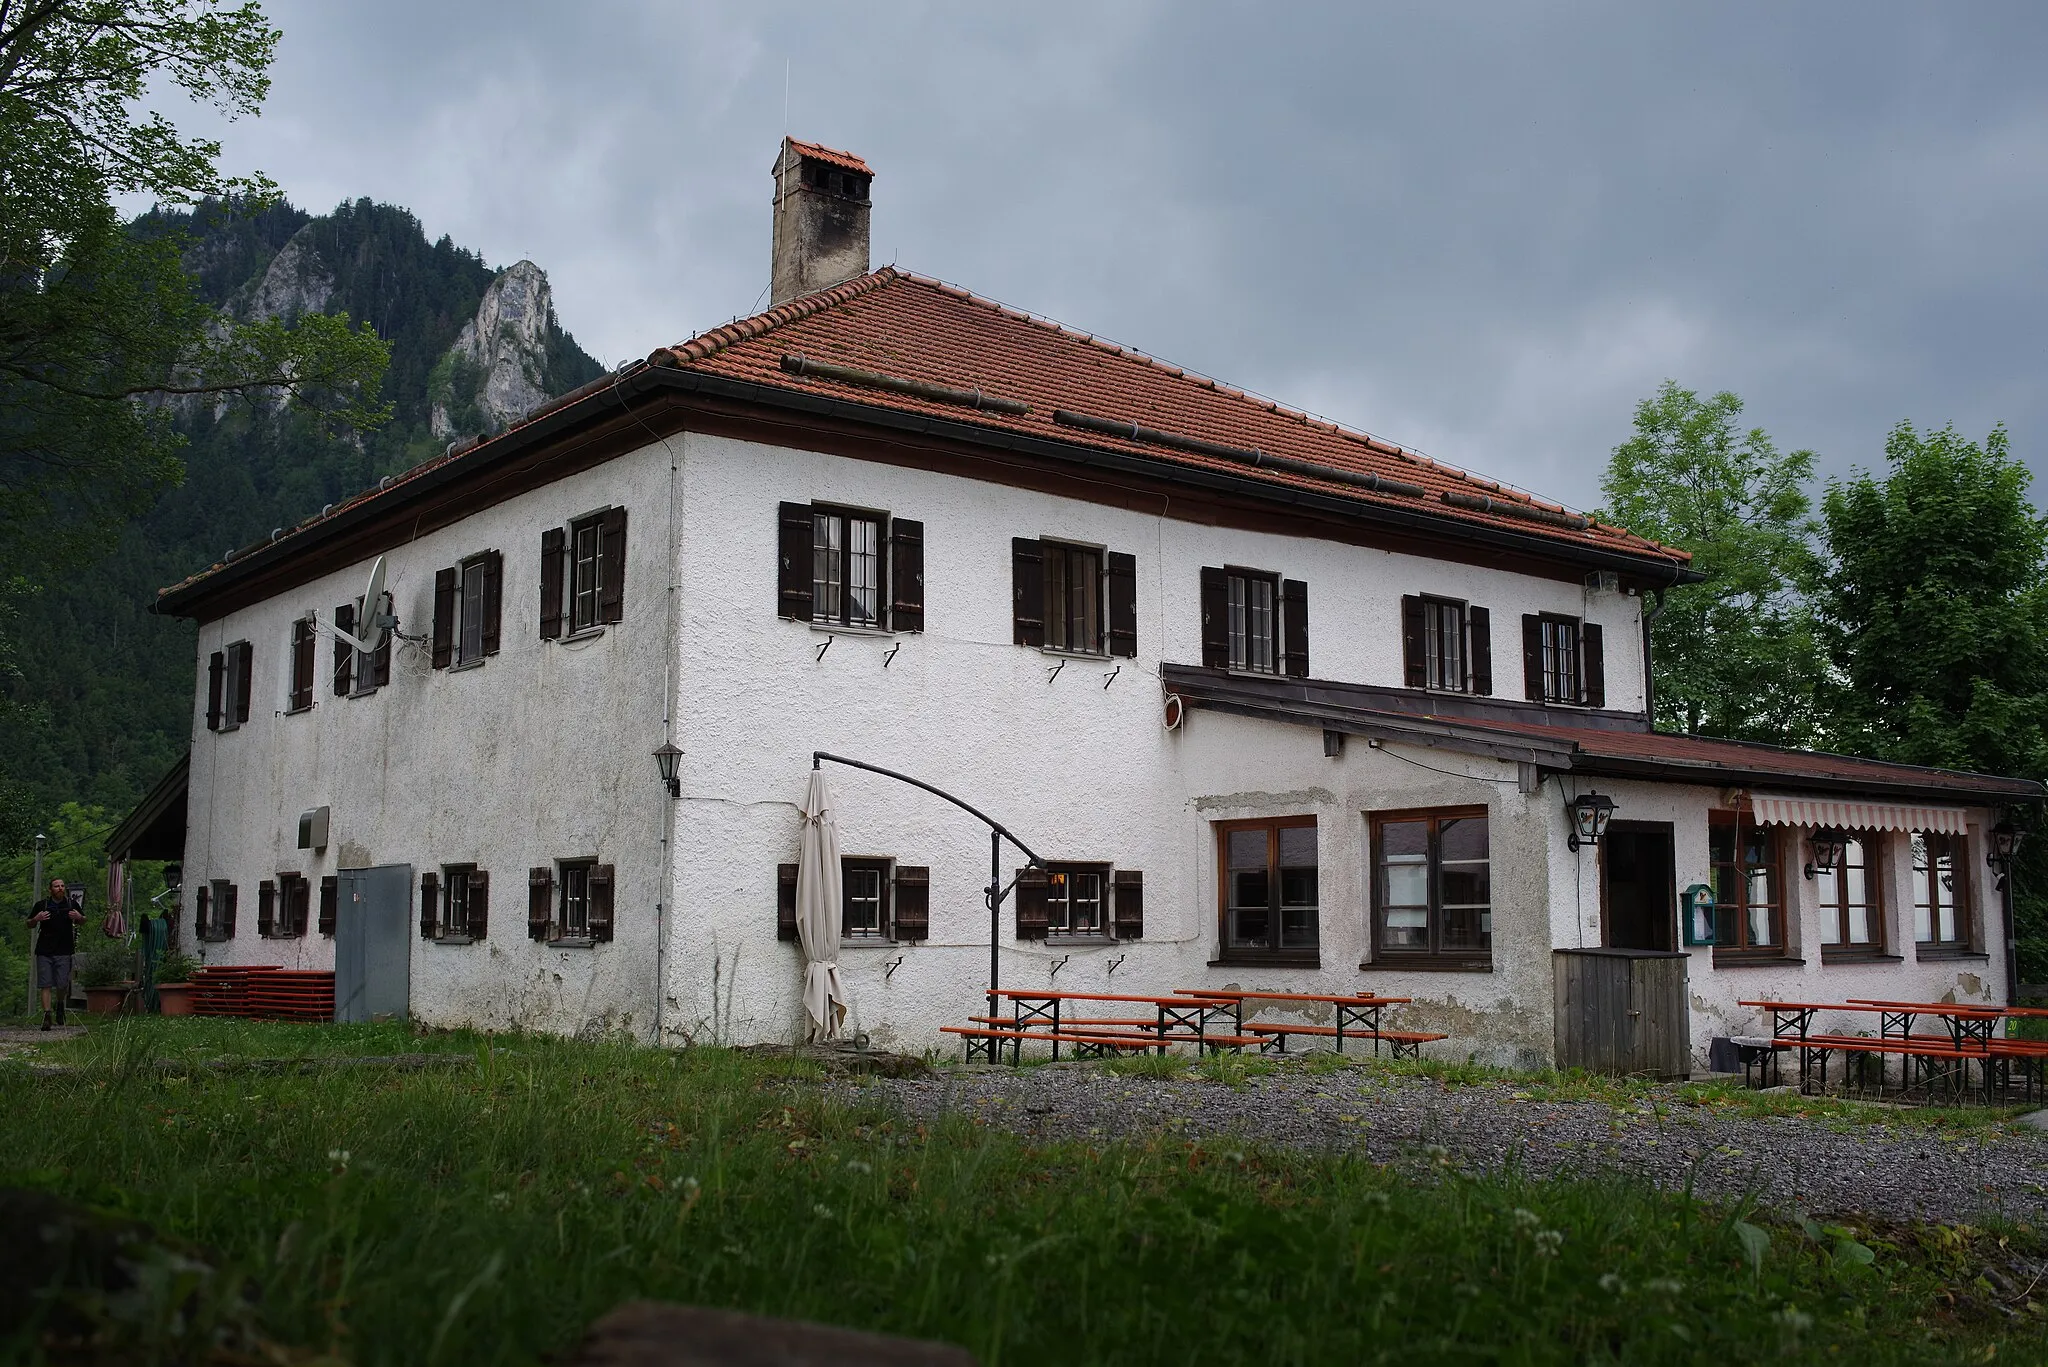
pixel 1749 902
pixel 864 899
pixel 1077 900
pixel 1269 886
pixel 1940 890
pixel 573 920
pixel 1848 891
pixel 1433 884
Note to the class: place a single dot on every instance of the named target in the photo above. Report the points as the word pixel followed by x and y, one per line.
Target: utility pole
pixel 28 1007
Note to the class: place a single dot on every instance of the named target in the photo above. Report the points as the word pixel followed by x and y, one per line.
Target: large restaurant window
pixel 1849 898
pixel 1432 885
pixel 1749 899
pixel 1269 887
pixel 1940 890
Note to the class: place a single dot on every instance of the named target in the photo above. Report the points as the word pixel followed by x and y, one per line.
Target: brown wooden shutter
pixel 446 609
pixel 1123 604
pixel 266 908
pixel 380 661
pixel 1592 666
pixel 1027 591
pixel 201 901
pixel 611 566
pixel 540 901
pixel 244 677
pixel 913 903
pixel 1130 904
pixel 601 903
pixel 430 905
pixel 1414 642
pixel 1532 656
pixel 330 902
pixel 793 551
pixel 1031 894
pixel 230 902
pixel 553 549
pixel 302 665
pixel 906 575
pixel 479 904
pixel 1215 618
pixel 493 596
pixel 216 687
pixel 785 901
pixel 1294 628
pixel 344 653
pixel 1479 648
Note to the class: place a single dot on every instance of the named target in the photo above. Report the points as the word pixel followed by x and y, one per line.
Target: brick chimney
pixel 821 219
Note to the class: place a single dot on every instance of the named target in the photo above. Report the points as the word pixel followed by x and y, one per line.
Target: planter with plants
pixel 174 973
pixel 107 977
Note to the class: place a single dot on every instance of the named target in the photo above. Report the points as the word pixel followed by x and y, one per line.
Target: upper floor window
pixel 1848 892
pixel 1082 600
pixel 303 650
pixel 1749 898
pixel 358 672
pixel 582 577
pixel 1269 886
pixel 850 568
pixel 466 609
pixel 1255 621
pixel 228 678
pixel 1563 660
pixel 1433 884
pixel 1446 645
pixel 1940 890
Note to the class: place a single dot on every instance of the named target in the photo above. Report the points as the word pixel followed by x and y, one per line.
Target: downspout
pixel 1649 664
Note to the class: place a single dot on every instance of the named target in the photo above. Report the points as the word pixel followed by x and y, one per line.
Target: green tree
pixel 1735 656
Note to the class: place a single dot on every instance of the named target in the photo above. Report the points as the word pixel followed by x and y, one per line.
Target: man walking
pixel 56 922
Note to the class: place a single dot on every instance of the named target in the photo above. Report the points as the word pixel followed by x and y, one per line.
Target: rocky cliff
pixel 497 369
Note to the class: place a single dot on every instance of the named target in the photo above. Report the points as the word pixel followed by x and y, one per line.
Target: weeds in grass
pixel 487 1212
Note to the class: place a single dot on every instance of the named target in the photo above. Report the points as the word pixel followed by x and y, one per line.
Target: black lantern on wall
pixel 666 759
pixel 1589 814
pixel 1827 847
pixel 2003 845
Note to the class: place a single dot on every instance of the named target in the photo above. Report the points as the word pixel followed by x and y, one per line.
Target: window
pixel 302 665
pixel 294 901
pixel 847 568
pixel 1446 645
pixel 582 581
pixel 1443 644
pixel 357 672
pixel 1940 890
pixel 454 903
pixel 1433 885
pixel 1563 660
pixel 1849 898
pixel 1749 907
pixel 214 912
pixel 568 903
pixel 574 918
pixel 466 610
pixel 1254 621
pixel 864 899
pixel 1080 600
pixel 1269 886
pixel 228 680
pixel 1077 900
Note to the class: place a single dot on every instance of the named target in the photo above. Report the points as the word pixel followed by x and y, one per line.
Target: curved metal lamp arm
pixel 817 756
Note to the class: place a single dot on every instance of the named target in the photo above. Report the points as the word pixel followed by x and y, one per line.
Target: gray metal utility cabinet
pixel 1623 1011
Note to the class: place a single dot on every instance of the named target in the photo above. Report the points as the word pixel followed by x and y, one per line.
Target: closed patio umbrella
pixel 817 910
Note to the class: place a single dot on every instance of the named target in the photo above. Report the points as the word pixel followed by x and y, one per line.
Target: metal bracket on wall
pixel 1110 677
pixel 892 654
pixel 1057 965
pixel 889 969
pixel 1111 966
pixel 1056 671
pixel 823 648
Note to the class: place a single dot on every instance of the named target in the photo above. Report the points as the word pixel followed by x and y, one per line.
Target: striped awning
pixel 1770 809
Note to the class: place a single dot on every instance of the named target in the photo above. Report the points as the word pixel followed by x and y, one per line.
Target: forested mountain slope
pixel 471 348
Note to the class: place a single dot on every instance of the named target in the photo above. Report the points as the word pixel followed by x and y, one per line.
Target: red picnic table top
pixel 1037 994
pixel 1933 1008
pixel 1345 998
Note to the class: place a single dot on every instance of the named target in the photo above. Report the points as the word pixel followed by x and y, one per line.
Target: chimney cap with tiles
pixel 821 219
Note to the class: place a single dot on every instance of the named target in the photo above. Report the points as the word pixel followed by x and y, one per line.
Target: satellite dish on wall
pixel 374 622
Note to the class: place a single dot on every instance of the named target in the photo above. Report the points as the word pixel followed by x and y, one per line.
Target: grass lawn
pixel 486 1212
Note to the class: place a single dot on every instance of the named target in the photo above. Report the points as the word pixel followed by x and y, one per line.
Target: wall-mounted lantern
pixel 666 759
pixel 1589 814
pixel 2004 844
pixel 1827 848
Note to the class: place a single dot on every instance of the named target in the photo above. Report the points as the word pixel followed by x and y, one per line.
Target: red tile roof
pixel 912 328
pixel 831 156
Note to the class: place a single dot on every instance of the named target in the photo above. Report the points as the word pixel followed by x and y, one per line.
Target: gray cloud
pixel 1480 229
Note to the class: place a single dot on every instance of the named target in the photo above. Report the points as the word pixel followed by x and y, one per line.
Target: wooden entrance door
pixel 1638 892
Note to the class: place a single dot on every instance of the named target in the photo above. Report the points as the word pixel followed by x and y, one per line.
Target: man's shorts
pixel 53 971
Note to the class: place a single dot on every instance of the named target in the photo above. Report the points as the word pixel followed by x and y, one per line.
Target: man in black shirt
pixel 56 922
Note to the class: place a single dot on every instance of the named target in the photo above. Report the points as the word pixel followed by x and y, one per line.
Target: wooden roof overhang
pixel 155 829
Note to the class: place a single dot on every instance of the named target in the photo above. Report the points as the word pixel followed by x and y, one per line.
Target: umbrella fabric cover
pixel 817 910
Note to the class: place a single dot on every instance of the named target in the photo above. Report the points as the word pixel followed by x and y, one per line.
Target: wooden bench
pixel 1402 1043
pixel 1086 1043
pixel 1921 1052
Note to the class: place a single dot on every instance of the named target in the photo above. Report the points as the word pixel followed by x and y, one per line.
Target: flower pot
pixel 106 1001
pixel 174 999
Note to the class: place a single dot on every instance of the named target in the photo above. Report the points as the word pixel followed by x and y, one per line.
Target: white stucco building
pixel 1281 705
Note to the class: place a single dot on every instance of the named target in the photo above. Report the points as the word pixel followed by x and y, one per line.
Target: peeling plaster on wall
pixel 1254 804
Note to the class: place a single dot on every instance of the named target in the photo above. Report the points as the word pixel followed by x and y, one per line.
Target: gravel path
pixel 1882 1169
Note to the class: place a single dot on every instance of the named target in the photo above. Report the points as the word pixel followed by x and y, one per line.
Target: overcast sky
pixel 1484 231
